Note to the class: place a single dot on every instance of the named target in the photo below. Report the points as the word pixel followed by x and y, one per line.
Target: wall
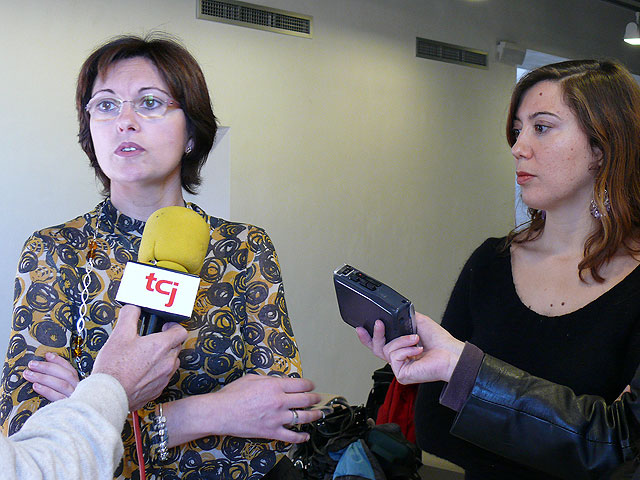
pixel 345 147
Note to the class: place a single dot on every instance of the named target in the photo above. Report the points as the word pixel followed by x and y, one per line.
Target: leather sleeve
pixel 545 425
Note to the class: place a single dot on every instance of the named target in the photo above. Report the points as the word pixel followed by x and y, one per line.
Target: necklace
pixel 79 337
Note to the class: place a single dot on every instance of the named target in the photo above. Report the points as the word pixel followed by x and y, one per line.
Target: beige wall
pixel 345 147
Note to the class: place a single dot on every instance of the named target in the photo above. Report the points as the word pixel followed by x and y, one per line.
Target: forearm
pixel 194 417
pixel 78 437
pixel 545 425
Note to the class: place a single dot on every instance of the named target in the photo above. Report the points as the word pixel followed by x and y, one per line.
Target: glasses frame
pixel 171 105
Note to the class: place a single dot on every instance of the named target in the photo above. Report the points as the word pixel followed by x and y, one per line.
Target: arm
pixel 542 424
pixel 514 414
pixel 33 331
pixel 245 332
pixel 79 437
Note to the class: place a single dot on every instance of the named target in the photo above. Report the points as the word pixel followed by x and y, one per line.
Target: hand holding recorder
pixel 428 356
pixel 417 348
pixel 363 300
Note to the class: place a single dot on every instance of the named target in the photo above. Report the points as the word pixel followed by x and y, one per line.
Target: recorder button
pixel 370 285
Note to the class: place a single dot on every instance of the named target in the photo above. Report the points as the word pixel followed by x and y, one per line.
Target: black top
pixel 593 350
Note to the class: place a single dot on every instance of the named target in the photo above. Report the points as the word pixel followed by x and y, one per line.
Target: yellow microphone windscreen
pixel 176 238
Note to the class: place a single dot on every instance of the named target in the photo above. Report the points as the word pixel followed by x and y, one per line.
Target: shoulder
pixel 48 238
pixel 255 237
pixel 492 248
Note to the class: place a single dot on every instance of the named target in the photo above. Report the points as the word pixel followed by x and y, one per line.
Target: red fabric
pixel 398 407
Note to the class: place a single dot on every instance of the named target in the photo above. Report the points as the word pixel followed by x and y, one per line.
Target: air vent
pixel 255 16
pixel 445 52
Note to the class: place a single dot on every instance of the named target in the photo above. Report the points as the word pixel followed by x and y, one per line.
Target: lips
pixel 523 177
pixel 128 149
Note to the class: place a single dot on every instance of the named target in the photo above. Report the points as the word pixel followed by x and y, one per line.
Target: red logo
pixel 159 287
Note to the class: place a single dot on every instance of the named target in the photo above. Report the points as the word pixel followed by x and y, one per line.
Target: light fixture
pixel 631 33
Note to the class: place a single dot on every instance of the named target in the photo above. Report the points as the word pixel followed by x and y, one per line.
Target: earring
pixel 188 150
pixel 593 208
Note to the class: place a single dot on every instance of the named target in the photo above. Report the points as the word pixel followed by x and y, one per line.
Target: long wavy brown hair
pixel 605 98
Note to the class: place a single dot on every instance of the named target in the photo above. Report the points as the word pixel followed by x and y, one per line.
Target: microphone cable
pixel 138 437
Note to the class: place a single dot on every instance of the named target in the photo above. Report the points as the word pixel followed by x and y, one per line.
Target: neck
pixel 140 203
pixel 563 234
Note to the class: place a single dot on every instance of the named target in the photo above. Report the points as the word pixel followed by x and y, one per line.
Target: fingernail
pixel 49 356
pixel 33 364
pixel 26 373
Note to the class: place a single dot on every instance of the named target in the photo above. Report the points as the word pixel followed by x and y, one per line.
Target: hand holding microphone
pixel 142 365
pixel 164 281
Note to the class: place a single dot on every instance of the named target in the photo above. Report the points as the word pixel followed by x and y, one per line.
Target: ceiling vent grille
pixel 255 16
pixel 445 52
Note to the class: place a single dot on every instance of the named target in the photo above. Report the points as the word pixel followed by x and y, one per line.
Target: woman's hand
pixel 429 356
pixel 377 342
pixel 254 406
pixel 54 379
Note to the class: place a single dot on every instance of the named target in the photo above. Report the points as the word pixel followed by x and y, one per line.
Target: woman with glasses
pixel 147 126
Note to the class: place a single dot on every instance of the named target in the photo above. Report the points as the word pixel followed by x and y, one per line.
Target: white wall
pixel 345 147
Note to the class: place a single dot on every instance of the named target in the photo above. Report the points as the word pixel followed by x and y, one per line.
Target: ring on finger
pixel 295 418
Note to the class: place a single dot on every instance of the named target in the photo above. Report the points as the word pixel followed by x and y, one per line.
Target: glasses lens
pixel 104 108
pixel 151 105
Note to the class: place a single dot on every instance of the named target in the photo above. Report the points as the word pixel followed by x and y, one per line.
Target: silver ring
pixel 294 420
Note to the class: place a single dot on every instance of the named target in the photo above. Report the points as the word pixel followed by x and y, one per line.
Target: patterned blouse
pixel 239 325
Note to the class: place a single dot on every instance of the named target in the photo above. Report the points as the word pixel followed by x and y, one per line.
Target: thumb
pixel 175 335
pixel 127 322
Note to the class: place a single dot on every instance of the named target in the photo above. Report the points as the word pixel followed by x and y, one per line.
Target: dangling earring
pixel 593 208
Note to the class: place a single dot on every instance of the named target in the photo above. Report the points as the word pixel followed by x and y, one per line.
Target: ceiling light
pixel 631 33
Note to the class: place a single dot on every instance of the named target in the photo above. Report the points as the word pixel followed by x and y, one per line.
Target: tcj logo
pixel 160 287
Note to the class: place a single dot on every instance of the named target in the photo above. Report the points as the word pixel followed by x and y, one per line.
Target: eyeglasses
pixel 150 105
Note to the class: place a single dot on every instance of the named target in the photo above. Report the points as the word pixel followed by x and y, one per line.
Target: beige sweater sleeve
pixel 78 437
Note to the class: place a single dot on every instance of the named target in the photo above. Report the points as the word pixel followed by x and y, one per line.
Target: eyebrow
pixel 108 90
pixel 537 114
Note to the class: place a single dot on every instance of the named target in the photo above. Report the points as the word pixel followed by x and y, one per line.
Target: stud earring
pixel 593 208
pixel 188 150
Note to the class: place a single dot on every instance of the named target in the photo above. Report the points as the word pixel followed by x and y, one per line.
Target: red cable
pixel 136 433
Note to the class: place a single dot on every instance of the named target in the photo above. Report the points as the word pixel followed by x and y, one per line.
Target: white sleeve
pixel 74 438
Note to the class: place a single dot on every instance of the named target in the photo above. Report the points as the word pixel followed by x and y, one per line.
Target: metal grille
pixel 445 52
pixel 255 16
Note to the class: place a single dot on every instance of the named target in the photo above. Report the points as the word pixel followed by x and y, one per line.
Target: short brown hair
pixel 605 98
pixel 186 85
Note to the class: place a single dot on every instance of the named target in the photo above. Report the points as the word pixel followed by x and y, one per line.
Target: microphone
pixel 164 281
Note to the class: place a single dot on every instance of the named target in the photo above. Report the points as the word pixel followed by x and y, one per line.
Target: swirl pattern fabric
pixel 239 325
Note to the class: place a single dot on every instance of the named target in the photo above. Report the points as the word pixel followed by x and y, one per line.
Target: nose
pixel 127 118
pixel 522 148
